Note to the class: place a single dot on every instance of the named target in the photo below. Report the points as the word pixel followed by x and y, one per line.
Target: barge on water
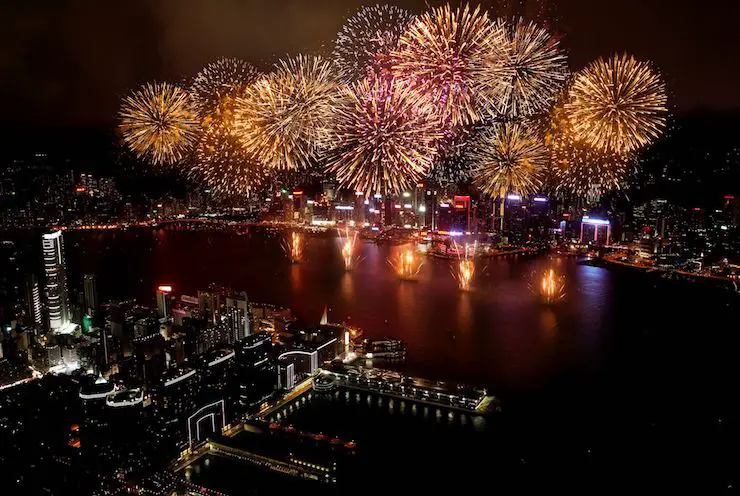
pixel 389 383
pixel 386 348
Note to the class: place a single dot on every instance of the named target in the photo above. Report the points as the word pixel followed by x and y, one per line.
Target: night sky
pixel 67 63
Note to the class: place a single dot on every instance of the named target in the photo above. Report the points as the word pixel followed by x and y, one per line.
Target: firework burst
pixel 222 165
pixel 465 267
pixel 547 286
pixel 293 247
pixel 407 265
pixel 441 55
pixel 382 142
pixel 509 157
pixel 617 105
pixel 216 85
pixel 158 123
pixel 366 40
pixel 282 118
pixel 530 74
pixel 348 243
pixel 579 169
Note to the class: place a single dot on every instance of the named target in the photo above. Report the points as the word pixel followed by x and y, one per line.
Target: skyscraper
pixel 237 317
pixel 163 304
pixel 33 302
pixel 57 302
pixel 91 294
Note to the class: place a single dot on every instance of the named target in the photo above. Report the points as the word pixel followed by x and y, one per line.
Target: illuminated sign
pixel 297 193
pixel 514 197
pixel 540 199
pixel 344 207
pixel 444 205
pixel 164 289
pixel 408 205
pixel 595 222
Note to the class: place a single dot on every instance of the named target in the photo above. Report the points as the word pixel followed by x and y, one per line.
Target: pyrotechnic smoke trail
pixel 365 42
pixel 158 123
pixel 382 142
pixel 282 118
pixel 617 105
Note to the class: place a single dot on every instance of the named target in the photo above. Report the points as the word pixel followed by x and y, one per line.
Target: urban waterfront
pixel 581 384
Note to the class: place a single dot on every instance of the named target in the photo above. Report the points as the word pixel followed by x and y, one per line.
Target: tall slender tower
pixel 57 302
pixel 91 294
pixel 33 302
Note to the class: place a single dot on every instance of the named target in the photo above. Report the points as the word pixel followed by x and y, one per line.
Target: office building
pixel 163 301
pixel 238 317
pixel 57 301
pixel 91 294
pixel 33 302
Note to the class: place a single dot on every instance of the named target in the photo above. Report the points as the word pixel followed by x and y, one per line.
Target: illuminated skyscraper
pixel 33 302
pixel 237 317
pixel 57 302
pixel 91 294
pixel 163 304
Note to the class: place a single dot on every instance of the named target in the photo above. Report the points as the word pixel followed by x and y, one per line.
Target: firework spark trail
pixel 365 42
pixel 509 157
pixel 407 266
pixel 282 118
pixel 528 77
pixel 294 247
pixel 548 287
pixel 158 123
pixel 383 141
pixel 348 243
pixel 220 82
pixel 617 104
pixel 465 267
pixel 579 169
pixel 441 56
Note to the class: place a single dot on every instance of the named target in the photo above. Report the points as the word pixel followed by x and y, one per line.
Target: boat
pixel 387 348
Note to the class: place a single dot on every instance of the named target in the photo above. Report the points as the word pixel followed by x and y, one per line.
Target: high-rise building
pixel 91 294
pixel 163 304
pixel 238 317
pixel 33 302
pixel 57 303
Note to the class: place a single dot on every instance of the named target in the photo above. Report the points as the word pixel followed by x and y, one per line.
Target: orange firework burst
pixel 548 286
pixel 218 83
pixel 407 265
pixel 465 267
pixel 617 104
pixel 579 169
pixel 294 247
pixel 441 55
pixel 382 140
pixel 282 118
pixel 529 75
pixel 366 40
pixel 348 242
pixel 509 157
pixel 158 122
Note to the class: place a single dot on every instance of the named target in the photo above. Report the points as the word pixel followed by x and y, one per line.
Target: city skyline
pixel 339 247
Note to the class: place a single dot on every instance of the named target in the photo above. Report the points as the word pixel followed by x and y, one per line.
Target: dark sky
pixel 67 63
